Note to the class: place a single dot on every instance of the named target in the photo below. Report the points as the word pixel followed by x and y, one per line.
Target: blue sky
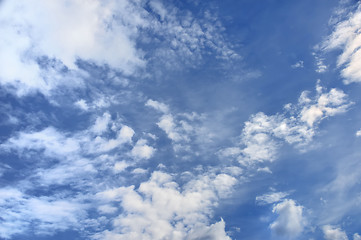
pixel 180 119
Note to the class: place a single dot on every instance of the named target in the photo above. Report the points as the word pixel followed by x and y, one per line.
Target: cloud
pixel 19 210
pixel 269 198
pixel 298 64
pixel 49 140
pixel 101 123
pixel 182 128
pixel 356 236
pixel 358 133
pixel 159 209
pixel 65 32
pixel 43 47
pixel 333 233
pixel 141 150
pixel 347 37
pixel 157 106
pixel 263 135
pixel 81 103
pixel 290 222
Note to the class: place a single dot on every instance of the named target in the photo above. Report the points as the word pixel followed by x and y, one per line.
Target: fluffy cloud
pixel 65 32
pixel 333 233
pixel 347 36
pixel 262 135
pixel 358 133
pixel 141 150
pixel 161 209
pixel 290 222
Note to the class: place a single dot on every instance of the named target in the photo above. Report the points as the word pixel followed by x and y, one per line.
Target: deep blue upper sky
pixel 180 119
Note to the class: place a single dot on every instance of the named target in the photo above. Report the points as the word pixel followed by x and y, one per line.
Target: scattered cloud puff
pixel 262 135
pixel 298 64
pixel 356 236
pixel 161 209
pixel 157 106
pixel 270 198
pixel 333 233
pixel 320 65
pixel 347 36
pixel 141 150
pixel 290 221
pixel 358 133
pixel 181 128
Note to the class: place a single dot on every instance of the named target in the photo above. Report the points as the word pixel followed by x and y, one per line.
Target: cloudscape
pixel 181 119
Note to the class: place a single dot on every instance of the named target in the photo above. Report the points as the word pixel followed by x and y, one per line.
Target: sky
pixel 180 119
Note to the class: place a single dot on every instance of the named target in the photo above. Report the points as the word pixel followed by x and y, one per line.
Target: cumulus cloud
pixel 141 150
pixel 262 134
pixel 347 37
pixel 290 221
pixel 333 233
pixel 65 32
pixel 161 209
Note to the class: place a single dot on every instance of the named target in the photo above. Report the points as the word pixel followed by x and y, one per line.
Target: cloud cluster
pixel 183 129
pixel 262 135
pixel 19 211
pixel 43 47
pixel 161 209
pixel 80 160
pixel 347 37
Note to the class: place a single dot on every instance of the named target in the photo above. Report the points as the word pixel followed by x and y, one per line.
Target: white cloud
pixel 120 166
pixel 19 210
pixel 263 135
pixel 82 104
pixel 101 123
pixel 141 150
pixel 49 140
pixel 290 221
pixel 157 106
pixel 298 64
pixel 358 133
pixel 40 43
pixel 167 124
pixel 333 233
pixel 269 198
pixel 65 32
pixel 159 209
pixel 356 236
pixel 107 209
pixel 347 36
